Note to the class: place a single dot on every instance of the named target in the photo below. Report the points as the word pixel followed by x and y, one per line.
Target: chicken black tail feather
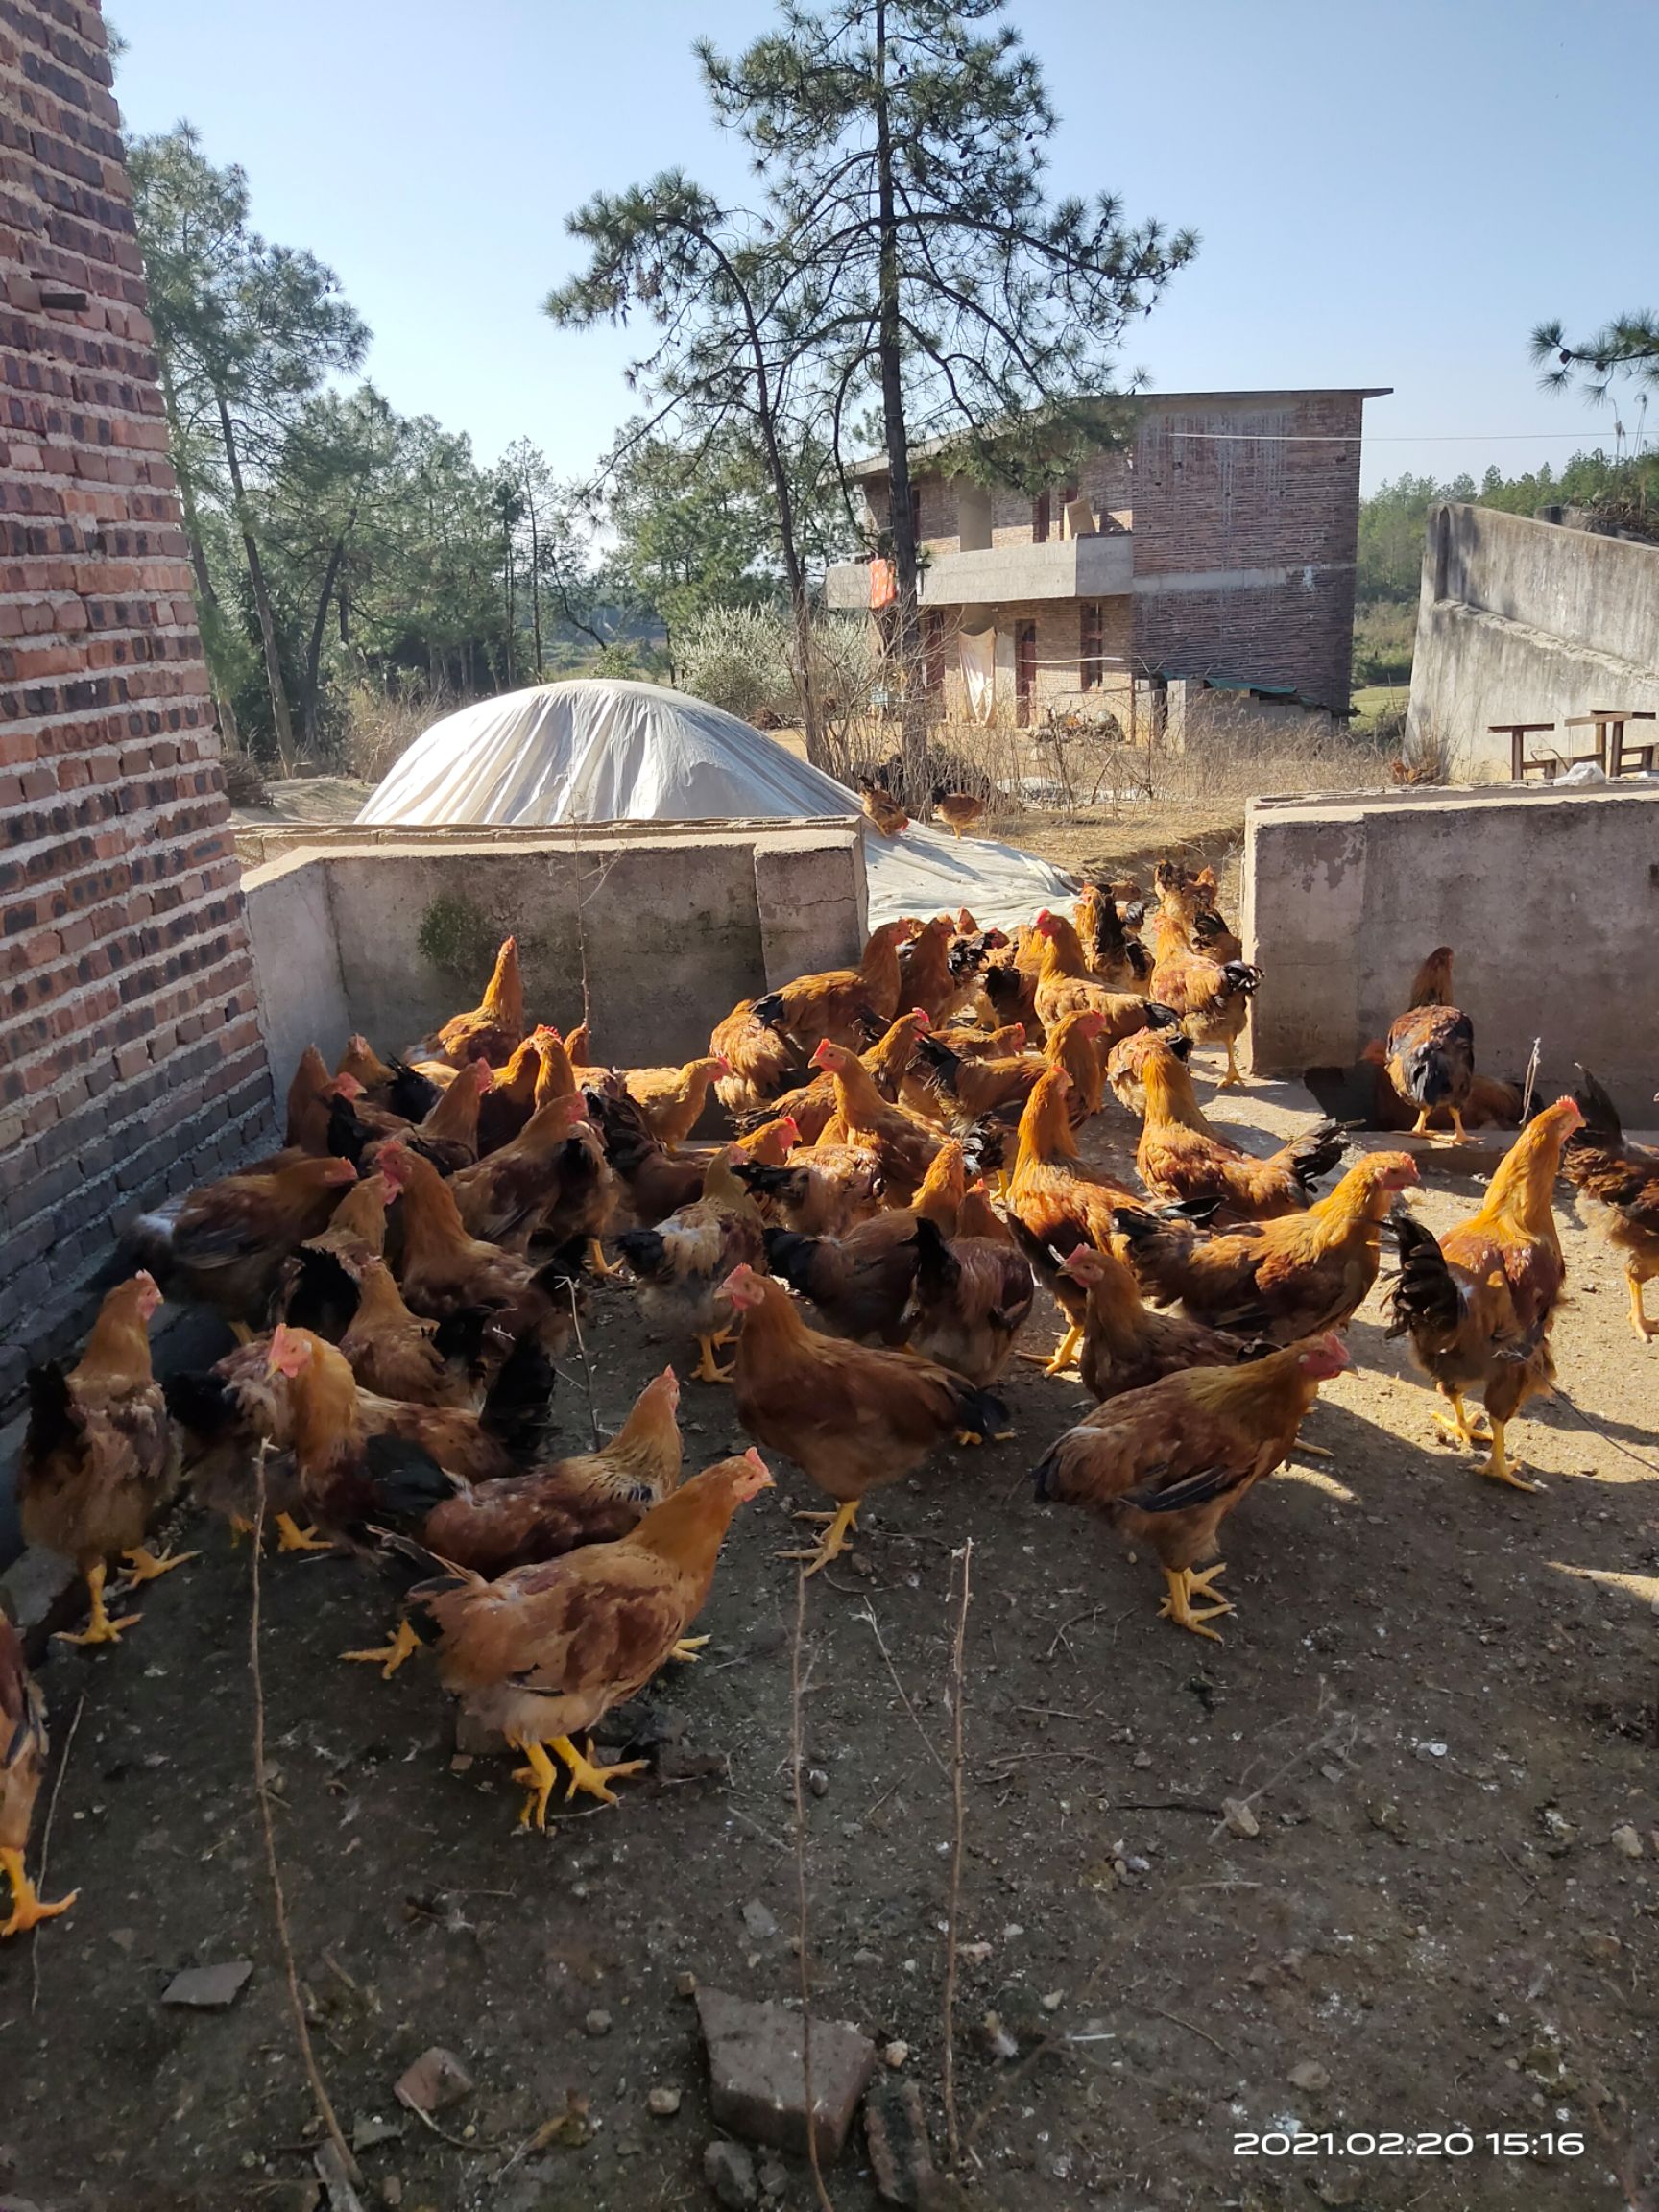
pixel 411 1093
pixel 1426 1295
pixel 1162 1017
pixel 203 1405
pixel 519 1403
pixel 979 1412
pixel 325 1294
pixel 1317 1153
pixel 405 1481
pixel 1196 1489
pixel 769 1010
pixel 1600 1116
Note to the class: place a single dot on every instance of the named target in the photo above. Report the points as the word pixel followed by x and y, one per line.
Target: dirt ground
pixel 1437 1696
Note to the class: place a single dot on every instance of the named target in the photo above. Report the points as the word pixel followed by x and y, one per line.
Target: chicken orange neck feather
pixel 118 1348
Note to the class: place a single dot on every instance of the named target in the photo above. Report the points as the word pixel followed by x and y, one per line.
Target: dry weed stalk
pixel 802 1930
pixel 958 1705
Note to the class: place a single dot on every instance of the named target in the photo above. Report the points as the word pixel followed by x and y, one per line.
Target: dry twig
pixel 46 1847
pixel 958 1702
pixel 826 2202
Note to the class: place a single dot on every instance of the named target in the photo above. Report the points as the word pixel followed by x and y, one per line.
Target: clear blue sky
pixel 1388 191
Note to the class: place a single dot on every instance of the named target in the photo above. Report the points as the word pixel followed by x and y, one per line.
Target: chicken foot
pixel 1065 1353
pixel 687 1650
pixel 389 1657
pixel 1644 1329
pixel 1233 1079
pixel 1457 1428
pixel 1177 1604
pixel 1419 1127
pixel 708 1369
pixel 834 1541
pixel 144 1566
pixel 100 1628
pixel 27 1908
pixel 291 1537
pixel 600 1266
pixel 1500 1467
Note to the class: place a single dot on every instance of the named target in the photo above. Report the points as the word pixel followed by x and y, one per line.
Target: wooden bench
pixel 1610 751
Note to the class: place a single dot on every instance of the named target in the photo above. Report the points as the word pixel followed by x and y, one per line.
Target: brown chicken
pixel 955 1092
pixel 23 1751
pixel 226 1243
pixel 1170 1462
pixel 1299 1276
pixel 1079 1046
pixel 592 1499
pixel 1211 996
pixel 681 1263
pixel 764 1064
pixel 851 1417
pixel 1491 1104
pixel 672 1098
pixel 508 1196
pixel 546 1652
pixel 1477 1303
pixel 1058 1197
pixel 1181 1156
pixel 448 1135
pixel 1621 1181
pixel 959 811
pixel 843 1004
pixel 319 1283
pixel 972 1293
pixel 906 1148
pixel 1113 956
pixel 1125 1060
pixel 99 1460
pixel 390 1084
pixel 1126 1343
pixel 861 1283
pixel 1065 985
pixel 443 1271
pixel 926 977
pixel 391 1351
pixel 882 809
pixel 493 1031
pixel 306 1116
pixel 887 1063
pixel 506 1105
pixel 652 1186
pixel 1429 1051
pixel 821 1191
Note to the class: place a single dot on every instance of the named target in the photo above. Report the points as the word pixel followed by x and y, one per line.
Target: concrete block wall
pixel 132 1060
pixel 1546 897
pixel 1527 622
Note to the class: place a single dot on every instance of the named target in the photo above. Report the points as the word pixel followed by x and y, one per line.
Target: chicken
pixel 1170 1462
pixel 317 1287
pixel 448 1135
pixel 592 1499
pixel 99 1462
pixel 1477 1303
pixel 850 1416
pixel 1064 986
pixel 1211 996
pixel 1126 1343
pixel 221 1418
pixel 493 1031
pixel 504 1108
pixel 508 1195
pixel 861 1283
pixel 1126 1059
pixel 1491 1104
pixel 1192 902
pixel 925 976
pixel 842 1004
pixel 546 1652
pixel 652 1186
pixel 960 1092
pixel 1058 1197
pixel 672 1098
pixel 391 1084
pixel 1009 991
pixel 1621 1181
pixel 558 1079
pixel 821 1191
pixel 906 1148
pixel 1113 956
pixel 443 1271
pixel 682 1263
pixel 226 1243
pixel 1299 1276
pixel 882 809
pixel 392 1352
pixel 811 1106
pixel 1180 1156
pixel 1076 1045
pixel 303 1121
pixel 23 1751
pixel 764 1064
pixel 960 810
pixel 1004 1044
pixel 1429 1051
pixel 972 1293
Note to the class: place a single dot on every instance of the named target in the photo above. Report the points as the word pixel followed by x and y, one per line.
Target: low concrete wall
pixel 394 934
pixel 1522 621
pixel 1551 902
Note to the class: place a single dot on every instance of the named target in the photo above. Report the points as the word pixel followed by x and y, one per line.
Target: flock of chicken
pixel 905 1170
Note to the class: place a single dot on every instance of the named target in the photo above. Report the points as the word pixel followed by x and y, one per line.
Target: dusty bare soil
pixel 1438 1697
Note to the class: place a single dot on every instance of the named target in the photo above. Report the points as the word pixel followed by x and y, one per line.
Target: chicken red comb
pixel 347 1087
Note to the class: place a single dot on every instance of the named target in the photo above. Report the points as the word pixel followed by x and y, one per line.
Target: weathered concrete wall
pixel 1549 900
pixel 1522 621
pixel 391 936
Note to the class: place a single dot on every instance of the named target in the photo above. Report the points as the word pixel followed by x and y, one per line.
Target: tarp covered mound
pixel 597 751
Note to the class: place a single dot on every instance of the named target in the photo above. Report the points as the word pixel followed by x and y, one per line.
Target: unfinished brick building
pixel 1216 546
pixel 130 1063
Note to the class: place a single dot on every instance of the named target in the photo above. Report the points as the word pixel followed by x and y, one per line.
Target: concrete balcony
pixel 1101 568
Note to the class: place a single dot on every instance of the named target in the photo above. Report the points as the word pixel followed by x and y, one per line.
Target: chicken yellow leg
pixel 541 1775
pixel 590 1779
pixel 389 1657
pixel 1067 1349
pixel 688 1650
pixel 100 1628
pixel 1644 1329
pixel 1500 1468
pixel 291 1537
pixel 1234 1078
pixel 27 1908
pixel 708 1369
pixel 1458 1429
pixel 600 1266
pixel 1177 1605
pixel 833 1540
pixel 143 1565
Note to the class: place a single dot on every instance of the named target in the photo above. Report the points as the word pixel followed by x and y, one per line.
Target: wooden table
pixel 1518 734
pixel 1611 754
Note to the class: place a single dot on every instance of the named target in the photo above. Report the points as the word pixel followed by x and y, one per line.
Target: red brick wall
pixel 130 1063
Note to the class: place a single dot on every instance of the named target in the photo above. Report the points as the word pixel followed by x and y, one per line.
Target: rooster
pixel 1170 1462
pixel 1429 1051
pixel 1621 1181
pixel 493 1031
pixel 681 1263
pixel 1211 996
pixel 1180 1156
pixel 1477 1303
pixel 846 1006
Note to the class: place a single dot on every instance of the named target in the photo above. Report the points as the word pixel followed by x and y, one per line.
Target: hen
pixel 882 809
pixel 1211 996
pixel 851 1417
pixel 547 1651
pixel 811 1106
pixel 764 1064
pixel 23 1750
pixel 1054 1193
pixel 681 1263
pixel 1113 956
pixel 98 1459
pixel 1429 1051
pixel 1180 1156
pixel 227 1242
pixel 443 1271
pixel 973 1295
pixel 1126 1343
pixel 1621 1181
pixel 906 1148
pixel 843 1004
pixel 493 1031
pixel 554 1157
pixel 510 1100
pixel 821 1192
pixel 672 1098
pixel 1477 1303
pixel 1299 1276
pixel 959 811
pixel 1066 986
pixel 1170 1462
pixel 861 1281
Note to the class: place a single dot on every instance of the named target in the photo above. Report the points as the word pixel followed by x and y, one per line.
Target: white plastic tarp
pixel 597 751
